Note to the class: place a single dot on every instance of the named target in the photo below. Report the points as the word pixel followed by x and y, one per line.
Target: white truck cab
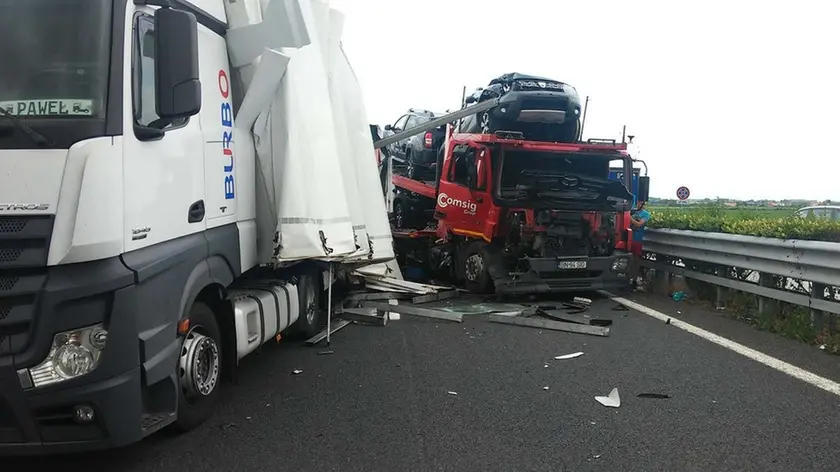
pixel 130 274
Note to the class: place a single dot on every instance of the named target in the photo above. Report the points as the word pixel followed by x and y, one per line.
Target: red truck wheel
pixel 475 269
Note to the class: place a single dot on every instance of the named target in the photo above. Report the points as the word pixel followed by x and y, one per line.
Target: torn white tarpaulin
pixel 347 95
pixel 299 161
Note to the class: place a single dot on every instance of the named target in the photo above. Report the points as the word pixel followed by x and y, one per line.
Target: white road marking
pixel 782 366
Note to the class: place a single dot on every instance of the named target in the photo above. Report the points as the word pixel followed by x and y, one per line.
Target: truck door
pixel 463 200
pixel 164 176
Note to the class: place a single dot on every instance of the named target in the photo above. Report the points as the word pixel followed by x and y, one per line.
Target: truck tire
pixel 410 166
pixel 199 368
pixel 475 271
pixel 311 316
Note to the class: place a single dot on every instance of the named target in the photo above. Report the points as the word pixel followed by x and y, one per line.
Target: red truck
pixel 513 216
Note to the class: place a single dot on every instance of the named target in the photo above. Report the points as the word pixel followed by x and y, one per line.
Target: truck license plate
pixel 572 265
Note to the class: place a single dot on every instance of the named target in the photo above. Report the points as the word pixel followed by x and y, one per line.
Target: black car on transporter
pixel 419 152
pixel 542 109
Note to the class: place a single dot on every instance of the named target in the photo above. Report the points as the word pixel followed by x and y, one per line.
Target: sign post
pixel 682 194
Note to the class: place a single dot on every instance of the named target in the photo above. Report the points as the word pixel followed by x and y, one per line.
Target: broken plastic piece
pixel 568 356
pixel 297 371
pixel 452 393
pixel 612 400
pixel 545 388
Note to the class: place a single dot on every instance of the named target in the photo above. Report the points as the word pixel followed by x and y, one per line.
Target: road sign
pixel 683 193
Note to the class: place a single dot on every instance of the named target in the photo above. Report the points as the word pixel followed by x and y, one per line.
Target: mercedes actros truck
pixel 177 180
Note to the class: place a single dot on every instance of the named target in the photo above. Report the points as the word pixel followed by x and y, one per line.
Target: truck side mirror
pixel 644 188
pixel 178 88
pixel 388 127
pixel 469 99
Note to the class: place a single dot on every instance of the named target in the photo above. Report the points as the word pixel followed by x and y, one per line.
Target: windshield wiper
pixel 35 136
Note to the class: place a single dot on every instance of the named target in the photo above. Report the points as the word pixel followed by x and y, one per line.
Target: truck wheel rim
pixel 199 364
pixel 473 266
pixel 309 304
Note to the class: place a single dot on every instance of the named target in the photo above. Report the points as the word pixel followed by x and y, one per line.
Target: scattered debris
pixel 412 310
pixel 569 317
pixel 452 393
pixel 545 365
pixel 653 395
pixel 551 325
pixel 668 321
pixel 366 316
pixel 612 400
pixel 227 426
pixel 435 297
pixel 582 300
pixel 326 352
pixel 620 307
pixel 568 356
pixel 545 388
pixel 679 296
pixel 297 371
pixel 337 325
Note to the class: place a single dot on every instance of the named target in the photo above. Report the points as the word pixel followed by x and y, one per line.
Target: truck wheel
pixel 311 316
pixel 475 271
pixel 199 368
pixel 411 168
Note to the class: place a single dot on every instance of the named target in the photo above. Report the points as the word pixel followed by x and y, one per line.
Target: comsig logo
pixel 227 133
pixel 445 200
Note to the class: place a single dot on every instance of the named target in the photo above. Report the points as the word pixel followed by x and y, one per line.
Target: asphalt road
pixel 381 403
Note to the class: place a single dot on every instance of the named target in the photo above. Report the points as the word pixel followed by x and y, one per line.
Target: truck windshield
pixel 551 176
pixel 54 58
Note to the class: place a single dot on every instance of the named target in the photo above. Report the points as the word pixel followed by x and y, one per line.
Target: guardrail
pixel 805 273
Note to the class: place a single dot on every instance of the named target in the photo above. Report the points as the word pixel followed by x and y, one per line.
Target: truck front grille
pixel 24 246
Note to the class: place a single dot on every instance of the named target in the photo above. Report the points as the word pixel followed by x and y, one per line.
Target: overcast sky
pixel 735 99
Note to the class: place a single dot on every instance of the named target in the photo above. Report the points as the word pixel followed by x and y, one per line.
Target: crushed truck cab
pixel 513 216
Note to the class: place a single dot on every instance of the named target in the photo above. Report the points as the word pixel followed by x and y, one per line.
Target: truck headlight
pixel 73 354
pixel 620 264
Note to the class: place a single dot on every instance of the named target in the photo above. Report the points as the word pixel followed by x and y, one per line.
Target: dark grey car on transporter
pixel 540 108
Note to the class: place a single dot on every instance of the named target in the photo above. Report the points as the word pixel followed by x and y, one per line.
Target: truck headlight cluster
pixel 73 354
pixel 620 264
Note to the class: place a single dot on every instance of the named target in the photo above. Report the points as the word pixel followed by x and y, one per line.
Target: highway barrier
pixel 798 272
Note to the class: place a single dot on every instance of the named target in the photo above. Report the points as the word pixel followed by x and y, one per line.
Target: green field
pixel 758 221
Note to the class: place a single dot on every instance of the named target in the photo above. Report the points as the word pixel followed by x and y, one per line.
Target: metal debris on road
pixel 545 388
pixel 297 371
pixel 452 393
pixel 323 334
pixel 568 356
pixel 551 325
pixel 558 315
pixel 612 400
pixel 365 316
pixel 412 310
